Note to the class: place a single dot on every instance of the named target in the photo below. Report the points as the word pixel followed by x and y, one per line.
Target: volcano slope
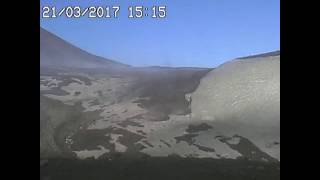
pixel 103 119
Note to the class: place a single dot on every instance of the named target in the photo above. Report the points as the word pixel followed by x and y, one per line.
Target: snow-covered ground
pixel 245 93
pixel 238 99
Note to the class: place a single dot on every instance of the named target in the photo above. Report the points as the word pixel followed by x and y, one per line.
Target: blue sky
pixel 200 33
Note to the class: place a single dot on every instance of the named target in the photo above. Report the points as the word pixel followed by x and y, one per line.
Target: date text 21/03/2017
pixel 103 12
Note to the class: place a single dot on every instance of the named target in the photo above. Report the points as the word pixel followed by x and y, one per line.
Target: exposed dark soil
pixel 188 138
pixel 248 149
pixel 197 128
pixel 154 168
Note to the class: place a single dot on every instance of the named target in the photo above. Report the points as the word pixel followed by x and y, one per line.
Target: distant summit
pixel 56 52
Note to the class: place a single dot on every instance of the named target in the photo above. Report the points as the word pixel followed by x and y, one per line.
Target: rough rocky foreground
pixel 160 168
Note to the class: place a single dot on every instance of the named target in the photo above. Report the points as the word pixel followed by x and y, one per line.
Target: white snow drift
pixel 243 94
pixel 246 90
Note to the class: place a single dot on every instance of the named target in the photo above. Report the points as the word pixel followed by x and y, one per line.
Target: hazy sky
pixel 203 33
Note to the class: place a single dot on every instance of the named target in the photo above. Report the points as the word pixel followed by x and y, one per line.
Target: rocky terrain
pixel 99 110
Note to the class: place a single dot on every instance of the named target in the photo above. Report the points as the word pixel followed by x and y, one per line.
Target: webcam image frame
pixel 150 90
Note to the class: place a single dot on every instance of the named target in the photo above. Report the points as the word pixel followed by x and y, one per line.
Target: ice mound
pixel 242 90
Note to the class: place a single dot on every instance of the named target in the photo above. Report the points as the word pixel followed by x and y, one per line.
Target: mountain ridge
pixel 56 52
pixel 272 53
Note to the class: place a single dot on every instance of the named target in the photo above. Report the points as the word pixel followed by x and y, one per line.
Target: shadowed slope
pixel 55 52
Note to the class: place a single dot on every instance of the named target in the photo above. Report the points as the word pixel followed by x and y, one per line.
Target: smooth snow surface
pixel 245 90
pixel 246 93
